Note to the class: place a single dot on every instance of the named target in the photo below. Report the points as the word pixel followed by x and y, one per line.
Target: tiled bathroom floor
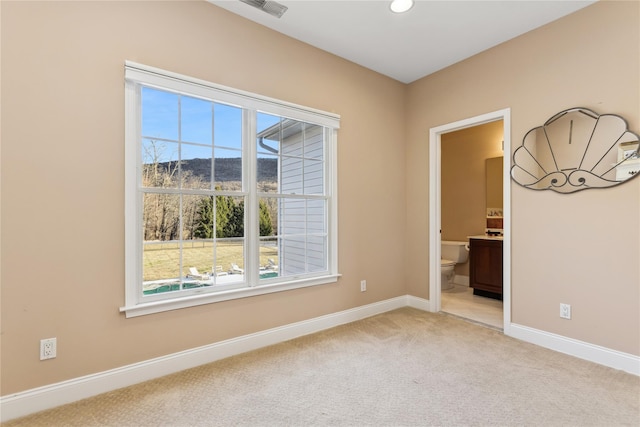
pixel 461 302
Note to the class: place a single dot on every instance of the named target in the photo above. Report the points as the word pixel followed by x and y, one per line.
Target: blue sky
pixel 200 122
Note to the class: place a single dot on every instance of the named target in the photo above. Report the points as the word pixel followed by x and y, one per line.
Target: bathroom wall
pixel 581 249
pixel 463 181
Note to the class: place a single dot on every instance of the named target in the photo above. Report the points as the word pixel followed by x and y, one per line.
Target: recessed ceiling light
pixel 400 6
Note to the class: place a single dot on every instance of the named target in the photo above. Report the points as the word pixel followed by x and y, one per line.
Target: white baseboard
pixel 580 349
pixel 50 396
pixel 419 303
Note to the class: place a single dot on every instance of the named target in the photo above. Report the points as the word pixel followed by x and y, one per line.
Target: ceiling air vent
pixel 271 7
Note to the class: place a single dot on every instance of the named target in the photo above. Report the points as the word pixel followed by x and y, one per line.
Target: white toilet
pixel 451 253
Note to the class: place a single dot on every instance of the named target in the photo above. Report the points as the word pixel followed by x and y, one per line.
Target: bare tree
pixel 161 211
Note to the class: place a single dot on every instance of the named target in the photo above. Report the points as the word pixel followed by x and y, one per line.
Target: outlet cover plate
pixel 48 348
pixel 565 311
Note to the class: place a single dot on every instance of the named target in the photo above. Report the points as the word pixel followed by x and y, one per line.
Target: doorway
pixel 435 205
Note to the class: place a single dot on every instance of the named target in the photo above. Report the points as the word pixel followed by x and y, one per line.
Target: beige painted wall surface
pixel 581 249
pixel 463 183
pixel 62 177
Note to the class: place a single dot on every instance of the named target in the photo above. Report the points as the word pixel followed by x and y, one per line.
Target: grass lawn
pixel 162 260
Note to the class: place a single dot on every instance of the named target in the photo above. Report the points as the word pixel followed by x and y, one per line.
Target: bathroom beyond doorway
pixel 466 202
pixel 470 200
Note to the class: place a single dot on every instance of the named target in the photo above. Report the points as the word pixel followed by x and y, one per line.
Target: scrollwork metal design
pixel 577 149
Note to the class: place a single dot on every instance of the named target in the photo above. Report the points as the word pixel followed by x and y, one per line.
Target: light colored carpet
pixel 402 368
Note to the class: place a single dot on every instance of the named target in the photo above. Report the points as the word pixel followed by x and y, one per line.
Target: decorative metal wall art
pixel 575 150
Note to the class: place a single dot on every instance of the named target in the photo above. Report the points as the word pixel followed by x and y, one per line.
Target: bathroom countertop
pixel 485 237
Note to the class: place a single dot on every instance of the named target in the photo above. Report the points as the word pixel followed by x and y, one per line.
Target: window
pixel 228 194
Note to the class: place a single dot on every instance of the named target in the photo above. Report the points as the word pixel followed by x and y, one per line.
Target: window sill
pixel 226 295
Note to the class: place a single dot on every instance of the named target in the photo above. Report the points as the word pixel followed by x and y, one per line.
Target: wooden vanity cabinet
pixel 485 267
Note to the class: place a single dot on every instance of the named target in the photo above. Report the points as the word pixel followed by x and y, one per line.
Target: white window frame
pixel 138 74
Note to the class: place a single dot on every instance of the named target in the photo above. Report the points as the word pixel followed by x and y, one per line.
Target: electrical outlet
pixel 48 348
pixel 363 285
pixel 565 311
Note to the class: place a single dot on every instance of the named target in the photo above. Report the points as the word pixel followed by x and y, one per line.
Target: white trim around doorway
pixel 435 224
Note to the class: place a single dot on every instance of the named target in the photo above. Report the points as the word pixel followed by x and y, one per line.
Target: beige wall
pixel 62 176
pixel 581 249
pixel 463 181
pixel 63 180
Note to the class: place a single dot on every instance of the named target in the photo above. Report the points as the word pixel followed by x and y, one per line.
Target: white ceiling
pixel 406 47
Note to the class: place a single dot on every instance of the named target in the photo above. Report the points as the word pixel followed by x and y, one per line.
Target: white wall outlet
pixel 565 311
pixel 363 285
pixel 48 348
